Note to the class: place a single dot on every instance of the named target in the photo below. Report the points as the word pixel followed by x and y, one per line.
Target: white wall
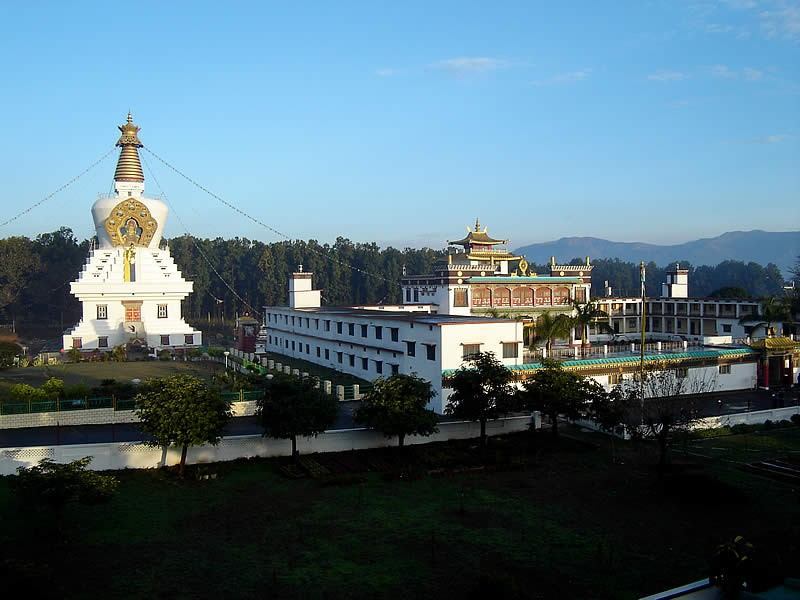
pixel 135 455
pixel 741 377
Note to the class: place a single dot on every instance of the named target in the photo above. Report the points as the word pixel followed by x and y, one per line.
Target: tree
pixel 548 328
pixel 51 486
pixel 8 352
pixel 19 264
pixel 666 396
pixel 396 406
pixel 773 310
pixel 730 292
pixel 554 391
pixel 610 410
pixel 293 407
pixel 181 410
pixel 482 390
pixel 585 315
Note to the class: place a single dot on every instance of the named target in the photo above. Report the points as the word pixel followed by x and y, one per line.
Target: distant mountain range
pixel 779 247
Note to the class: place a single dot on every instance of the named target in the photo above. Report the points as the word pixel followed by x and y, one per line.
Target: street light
pixel 226 353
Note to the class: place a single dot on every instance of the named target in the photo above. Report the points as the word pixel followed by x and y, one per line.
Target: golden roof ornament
pixel 129 168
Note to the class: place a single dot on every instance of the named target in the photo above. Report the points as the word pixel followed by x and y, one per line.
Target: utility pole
pixel 642 326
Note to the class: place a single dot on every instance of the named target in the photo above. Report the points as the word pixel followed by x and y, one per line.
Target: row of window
pixel 510 350
pixel 132 312
pixel 394 332
pixel 102 341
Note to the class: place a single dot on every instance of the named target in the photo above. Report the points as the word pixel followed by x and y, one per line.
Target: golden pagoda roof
pixel 775 343
pixel 476 236
pixel 129 167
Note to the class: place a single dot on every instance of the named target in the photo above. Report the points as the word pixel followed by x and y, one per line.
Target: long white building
pixel 382 340
pixel 130 288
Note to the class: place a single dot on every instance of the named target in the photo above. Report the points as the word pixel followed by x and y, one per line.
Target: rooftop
pixel 377 312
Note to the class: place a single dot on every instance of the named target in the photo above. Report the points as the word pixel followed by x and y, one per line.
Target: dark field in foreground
pixel 554 520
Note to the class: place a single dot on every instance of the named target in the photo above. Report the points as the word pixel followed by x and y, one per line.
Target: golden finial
pixel 130 133
pixel 477 225
pixel 128 166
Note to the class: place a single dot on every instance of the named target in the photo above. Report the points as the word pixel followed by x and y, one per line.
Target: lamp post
pixel 226 353
pixel 642 326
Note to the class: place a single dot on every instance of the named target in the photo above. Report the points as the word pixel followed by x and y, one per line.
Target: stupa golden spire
pixel 129 168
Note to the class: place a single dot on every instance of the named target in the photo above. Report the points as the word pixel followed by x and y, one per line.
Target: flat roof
pixel 416 316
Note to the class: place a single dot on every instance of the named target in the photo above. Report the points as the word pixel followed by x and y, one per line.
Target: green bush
pixel 78 390
pixel 53 388
pixel 164 355
pixel 74 355
pixel 796 419
pixel 22 392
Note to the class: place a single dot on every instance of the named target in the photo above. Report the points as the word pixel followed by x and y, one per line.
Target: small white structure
pixel 130 288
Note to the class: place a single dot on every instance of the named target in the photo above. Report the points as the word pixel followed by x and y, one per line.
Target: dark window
pixel 102 342
pixel 327 325
pixel 327 354
pixel 430 349
pixel 379 367
pixel 510 350
pixel 378 332
pixel 351 329
pixel 338 327
pixel 339 357
pixel 416 295
pixel 408 294
pixel 471 350
pixel 364 330
pixel 165 340
pixel 411 348
pixel 188 339
pixel 292 345
pixel 319 351
pixel 395 369
pixel 102 311
pixel 316 323
pixel 77 343
pixel 395 333
pixel 307 323
pixel 365 363
pixel 308 349
pixel 352 360
pixel 162 311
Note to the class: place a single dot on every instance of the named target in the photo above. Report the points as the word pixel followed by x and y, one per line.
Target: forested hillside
pixel 35 274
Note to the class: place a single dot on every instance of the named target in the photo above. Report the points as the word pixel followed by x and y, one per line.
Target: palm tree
pixel 585 315
pixel 773 310
pixel 548 327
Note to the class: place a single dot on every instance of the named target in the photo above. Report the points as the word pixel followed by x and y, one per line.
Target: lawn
pixel 556 519
pixel 93 373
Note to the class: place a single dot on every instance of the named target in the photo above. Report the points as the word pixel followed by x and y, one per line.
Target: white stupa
pixel 130 288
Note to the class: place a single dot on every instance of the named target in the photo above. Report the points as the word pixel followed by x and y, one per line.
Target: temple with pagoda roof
pixel 480 276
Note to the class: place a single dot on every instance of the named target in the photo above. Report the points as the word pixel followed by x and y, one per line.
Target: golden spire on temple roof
pixel 129 168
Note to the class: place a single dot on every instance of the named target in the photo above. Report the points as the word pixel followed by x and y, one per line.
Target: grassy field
pixel 92 374
pixel 751 446
pixel 556 519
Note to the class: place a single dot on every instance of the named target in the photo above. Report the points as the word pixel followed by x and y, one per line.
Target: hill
pixel 763 247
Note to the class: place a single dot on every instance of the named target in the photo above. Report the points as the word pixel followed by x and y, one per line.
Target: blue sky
pixel 401 122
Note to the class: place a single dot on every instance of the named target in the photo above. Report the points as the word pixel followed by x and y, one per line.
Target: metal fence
pixel 63 405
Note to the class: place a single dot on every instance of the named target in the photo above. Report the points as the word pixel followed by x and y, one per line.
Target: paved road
pixel 712 405
pixel 129 432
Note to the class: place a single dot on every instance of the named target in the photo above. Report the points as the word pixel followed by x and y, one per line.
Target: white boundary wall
pixel 95 416
pixel 136 455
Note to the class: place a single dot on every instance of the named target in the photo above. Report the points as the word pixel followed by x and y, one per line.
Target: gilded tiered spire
pixel 129 168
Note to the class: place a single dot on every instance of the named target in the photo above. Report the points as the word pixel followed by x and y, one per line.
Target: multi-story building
pixel 382 340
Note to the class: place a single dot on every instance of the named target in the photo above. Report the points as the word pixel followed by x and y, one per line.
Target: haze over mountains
pixel 781 248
